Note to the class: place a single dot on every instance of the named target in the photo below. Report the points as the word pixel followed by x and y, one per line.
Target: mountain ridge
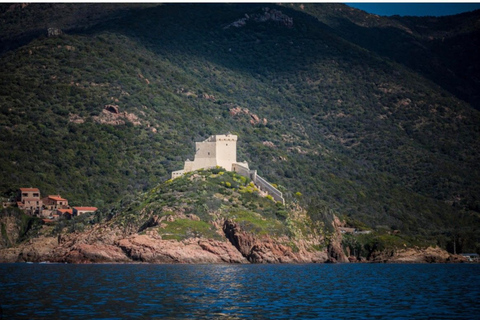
pixel 445 49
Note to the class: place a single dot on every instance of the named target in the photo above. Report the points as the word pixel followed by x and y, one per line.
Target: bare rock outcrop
pixel 416 255
pixel 54 32
pixel 75 118
pixel 36 250
pixel 150 249
pixel 94 253
pixel 265 249
pixel 267 14
pixel 112 108
pixel 105 245
pixel 253 118
pixel 108 243
pixel 111 115
pixel 335 249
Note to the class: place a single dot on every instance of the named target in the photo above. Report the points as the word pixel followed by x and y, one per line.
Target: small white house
pixel 81 210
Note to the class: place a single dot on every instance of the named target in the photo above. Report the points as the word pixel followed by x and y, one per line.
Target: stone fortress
pixel 221 150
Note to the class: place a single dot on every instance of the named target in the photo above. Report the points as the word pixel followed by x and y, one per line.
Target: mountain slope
pixel 442 49
pixel 346 127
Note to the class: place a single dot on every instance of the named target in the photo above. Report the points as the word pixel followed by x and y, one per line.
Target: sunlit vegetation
pixel 191 205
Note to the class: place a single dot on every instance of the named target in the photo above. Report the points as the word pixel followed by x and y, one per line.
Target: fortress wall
pixel 265 186
pixel 176 174
pixel 261 183
pixel 244 170
pixel 188 166
pixel 205 155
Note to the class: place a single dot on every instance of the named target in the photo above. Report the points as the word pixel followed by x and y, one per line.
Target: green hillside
pixel 199 199
pixel 350 128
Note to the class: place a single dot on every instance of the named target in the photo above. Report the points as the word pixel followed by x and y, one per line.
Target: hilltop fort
pixel 221 150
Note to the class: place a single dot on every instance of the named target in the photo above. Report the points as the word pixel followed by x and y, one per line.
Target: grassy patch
pixel 181 229
pixel 254 222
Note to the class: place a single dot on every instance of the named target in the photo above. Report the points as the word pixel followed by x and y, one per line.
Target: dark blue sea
pixel 312 291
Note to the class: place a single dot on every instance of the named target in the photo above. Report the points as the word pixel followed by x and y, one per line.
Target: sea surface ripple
pixel 311 291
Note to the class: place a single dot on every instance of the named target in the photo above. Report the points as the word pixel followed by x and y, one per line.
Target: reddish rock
pixel 268 144
pixel 95 253
pixel 267 250
pixel 253 118
pixel 155 250
pixel 416 255
pixel 225 250
pixel 107 243
pixel 335 249
pixel 111 115
pixel 206 96
pixel 112 108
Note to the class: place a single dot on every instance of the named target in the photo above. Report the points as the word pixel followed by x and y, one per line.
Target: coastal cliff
pixel 87 248
pixel 206 216
pixel 91 247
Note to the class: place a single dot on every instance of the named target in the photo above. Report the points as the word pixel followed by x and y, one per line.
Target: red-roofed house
pixel 67 213
pixel 29 200
pixel 55 202
pixel 81 210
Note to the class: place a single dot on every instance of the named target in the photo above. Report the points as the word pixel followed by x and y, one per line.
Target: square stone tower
pixel 221 150
pixel 218 150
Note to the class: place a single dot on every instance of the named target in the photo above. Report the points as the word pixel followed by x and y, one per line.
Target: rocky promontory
pixel 92 247
pixel 207 216
pixel 240 248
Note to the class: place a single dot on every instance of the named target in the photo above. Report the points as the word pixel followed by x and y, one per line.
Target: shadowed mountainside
pixel 445 49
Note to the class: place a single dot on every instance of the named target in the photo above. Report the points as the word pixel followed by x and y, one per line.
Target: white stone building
pixel 221 150
pixel 218 150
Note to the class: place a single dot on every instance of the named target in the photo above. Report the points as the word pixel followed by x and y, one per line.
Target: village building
pixel 66 213
pixel 55 202
pixel 29 200
pixel 51 207
pixel 77 211
pixel 221 151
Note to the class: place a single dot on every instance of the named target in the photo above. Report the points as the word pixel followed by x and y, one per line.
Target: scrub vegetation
pixel 371 129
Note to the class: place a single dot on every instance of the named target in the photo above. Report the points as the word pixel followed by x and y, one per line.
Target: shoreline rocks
pixel 105 243
pixel 239 248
